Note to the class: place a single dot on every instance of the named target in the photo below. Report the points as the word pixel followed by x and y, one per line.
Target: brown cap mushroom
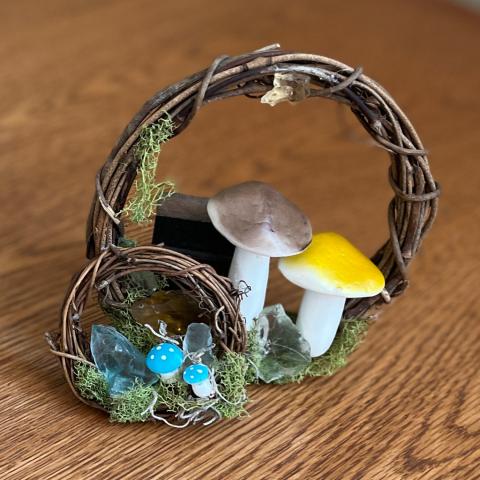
pixel 256 217
pixel 261 223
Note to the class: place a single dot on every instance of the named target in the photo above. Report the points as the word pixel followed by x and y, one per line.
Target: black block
pixel 182 224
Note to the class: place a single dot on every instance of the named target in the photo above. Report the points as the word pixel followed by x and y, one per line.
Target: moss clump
pixel 128 407
pixel 234 371
pixel 137 334
pixel 349 336
pixel 132 405
pixel 254 356
pixel 91 384
pixel 149 193
pixel 174 397
pixel 136 286
pixel 231 381
pixel 140 285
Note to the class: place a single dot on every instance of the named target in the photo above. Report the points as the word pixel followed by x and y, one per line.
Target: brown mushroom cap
pixel 257 218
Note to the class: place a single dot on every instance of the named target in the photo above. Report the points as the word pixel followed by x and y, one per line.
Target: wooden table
pixel 73 73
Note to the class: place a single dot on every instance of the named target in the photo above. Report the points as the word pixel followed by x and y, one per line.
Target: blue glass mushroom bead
pixel 198 376
pixel 165 360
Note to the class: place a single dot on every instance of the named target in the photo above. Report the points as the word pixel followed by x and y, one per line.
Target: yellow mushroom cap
pixel 333 266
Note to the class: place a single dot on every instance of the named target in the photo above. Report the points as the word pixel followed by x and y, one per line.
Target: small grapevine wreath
pixel 273 75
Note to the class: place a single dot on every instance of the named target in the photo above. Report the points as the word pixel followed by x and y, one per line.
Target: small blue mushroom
pixel 199 377
pixel 165 360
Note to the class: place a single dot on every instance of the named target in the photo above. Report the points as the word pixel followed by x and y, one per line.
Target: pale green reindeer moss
pixel 234 371
pixel 136 286
pixel 254 356
pixel 231 380
pixel 132 406
pixel 139 336
pixel 91 384
pixel 174 397
pixel 148 192
pixel 349 336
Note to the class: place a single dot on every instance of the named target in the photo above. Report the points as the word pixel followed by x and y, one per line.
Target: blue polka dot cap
pixel 164 358
pixel 196 373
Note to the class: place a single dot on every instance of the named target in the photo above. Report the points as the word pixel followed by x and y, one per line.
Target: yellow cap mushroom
pixel 330 270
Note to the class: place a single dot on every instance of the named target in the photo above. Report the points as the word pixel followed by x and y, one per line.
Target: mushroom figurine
pixel 330 270
pixel 198 376
pixel 165 360
pixel 261 223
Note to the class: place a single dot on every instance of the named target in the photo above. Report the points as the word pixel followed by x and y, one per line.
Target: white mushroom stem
pixel 170 377
pixel 318 320
pixel 203 389
pixel 252 269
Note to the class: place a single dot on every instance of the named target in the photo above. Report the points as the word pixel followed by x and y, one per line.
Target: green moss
pixel 128 407
pixel 349 336
pixel 136 286
pixel 231 381
pixel 132 405
pixel 91 384
pixel 254 356
pixel 140 285
pixel 136 333
pixel 233 373
pixel 174 397
pixel 149 193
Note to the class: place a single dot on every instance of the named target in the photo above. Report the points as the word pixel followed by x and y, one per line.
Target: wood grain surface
pixel 73 73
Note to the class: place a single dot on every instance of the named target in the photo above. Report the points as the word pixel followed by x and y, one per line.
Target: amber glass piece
pixel 176 309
